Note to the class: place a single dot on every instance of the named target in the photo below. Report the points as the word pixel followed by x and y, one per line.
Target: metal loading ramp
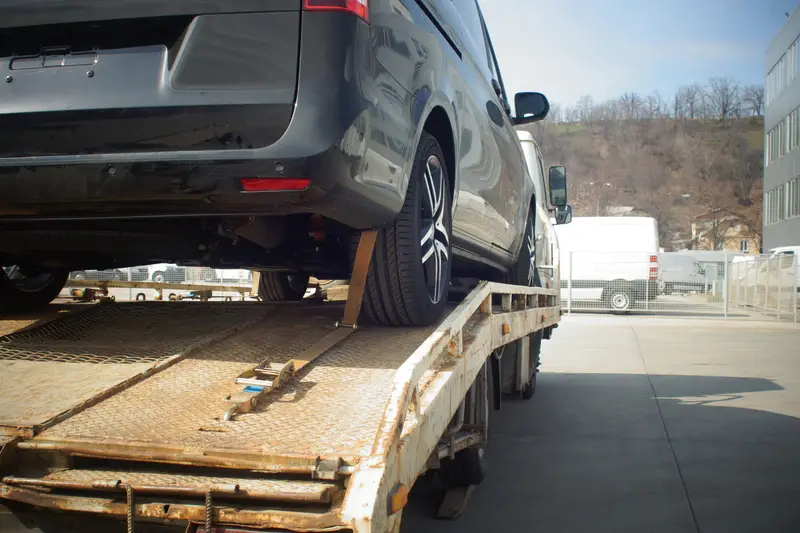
pixel 331 409
pixel 55 370
pixel 325 452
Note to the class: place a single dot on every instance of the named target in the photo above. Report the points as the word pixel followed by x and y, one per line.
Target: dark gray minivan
pixel 260 134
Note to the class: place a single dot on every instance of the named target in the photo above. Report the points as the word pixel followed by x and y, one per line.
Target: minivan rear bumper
pixel 321 133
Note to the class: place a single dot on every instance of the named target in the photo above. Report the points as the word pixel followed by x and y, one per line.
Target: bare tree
pixel 555 114
pixel 678 105
pixel 585 106
pixel 656 106
pixel 631 105
pixel 691 97
pixel 753 99
pixel 723 98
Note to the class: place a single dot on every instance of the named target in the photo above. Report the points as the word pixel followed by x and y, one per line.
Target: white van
pixel 781 268
pixel 612 260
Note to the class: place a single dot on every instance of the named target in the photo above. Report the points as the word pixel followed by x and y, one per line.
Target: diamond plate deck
pixel 331 408
pixel 66 363
pixel 248 486
pixel 125 333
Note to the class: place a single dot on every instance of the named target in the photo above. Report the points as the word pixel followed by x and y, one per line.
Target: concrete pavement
pixel 645 424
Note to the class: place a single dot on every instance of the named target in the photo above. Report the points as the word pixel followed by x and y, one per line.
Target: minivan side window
pixel 473 38
pixel 495 68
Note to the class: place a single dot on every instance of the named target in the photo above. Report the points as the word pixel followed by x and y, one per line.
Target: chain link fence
pixel 716 284
pixel 766 284
pixel 671 283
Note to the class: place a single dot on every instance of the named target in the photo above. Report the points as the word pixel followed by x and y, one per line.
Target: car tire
pixel 19 292
pixel 524 271
pixel 282 287
pixel 620 300
pixel 409 275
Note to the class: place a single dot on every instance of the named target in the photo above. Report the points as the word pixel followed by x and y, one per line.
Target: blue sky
pixel 567 48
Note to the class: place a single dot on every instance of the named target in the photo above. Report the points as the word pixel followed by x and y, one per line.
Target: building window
pixel 794 128
pixel 769 202
pixel 784 72
pixel 783 137
pixel 781 199
pixel 793 194
pixel 782 202
pixel 765 208
pixel 744 246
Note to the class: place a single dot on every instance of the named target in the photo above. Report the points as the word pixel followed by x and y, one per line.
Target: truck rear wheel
pixel 282 287
pixel 27 290
pixel 467 468
pixel 409 276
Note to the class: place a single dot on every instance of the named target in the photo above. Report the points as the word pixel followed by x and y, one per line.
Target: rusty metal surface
pixel 125 333
pixel 10 323
pixel 180 513
pixel 331 408
pixel 64 365
pixel 429 388
pixel 161 482
pixel 32 393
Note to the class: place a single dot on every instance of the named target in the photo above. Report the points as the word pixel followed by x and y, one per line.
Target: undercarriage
pixel 300 243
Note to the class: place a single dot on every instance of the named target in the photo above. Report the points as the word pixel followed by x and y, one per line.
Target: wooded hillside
pixel 700 151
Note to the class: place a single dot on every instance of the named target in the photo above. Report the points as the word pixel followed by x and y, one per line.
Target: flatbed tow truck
pixel 244 416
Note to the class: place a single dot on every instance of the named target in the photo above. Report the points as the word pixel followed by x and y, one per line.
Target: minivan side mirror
pixel 530 107
pixel 557 177
pixel 564 214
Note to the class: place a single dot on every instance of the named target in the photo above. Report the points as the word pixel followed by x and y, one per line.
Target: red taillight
pixel 274 184
pixel 653 267
pixel 357 7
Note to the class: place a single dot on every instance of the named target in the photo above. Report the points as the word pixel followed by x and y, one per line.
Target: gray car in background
pixel 261 134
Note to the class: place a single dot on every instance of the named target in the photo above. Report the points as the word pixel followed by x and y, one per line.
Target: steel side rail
pixel 415 420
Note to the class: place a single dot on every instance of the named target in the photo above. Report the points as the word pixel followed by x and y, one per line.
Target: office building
pixel 782 139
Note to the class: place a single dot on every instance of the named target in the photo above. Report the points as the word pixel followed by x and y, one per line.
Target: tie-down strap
pixel 267 376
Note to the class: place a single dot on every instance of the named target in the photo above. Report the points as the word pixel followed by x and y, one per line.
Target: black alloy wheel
pixel 409 276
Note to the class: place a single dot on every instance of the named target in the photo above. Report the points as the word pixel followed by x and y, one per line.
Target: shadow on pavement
pixel 590 453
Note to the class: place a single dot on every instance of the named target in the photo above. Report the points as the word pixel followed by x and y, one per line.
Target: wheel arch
pixel 438 124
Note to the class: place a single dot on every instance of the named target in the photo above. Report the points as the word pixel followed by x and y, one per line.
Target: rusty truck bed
pixel 122 399
pixel 332 409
